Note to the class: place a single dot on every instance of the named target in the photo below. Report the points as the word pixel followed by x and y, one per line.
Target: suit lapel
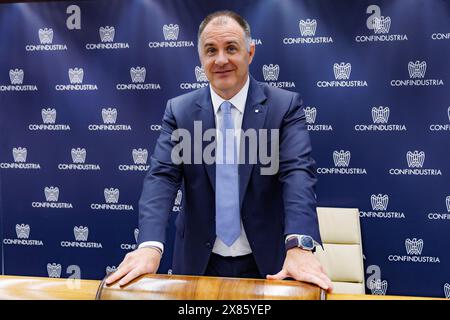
pixel 206 116
pixel 254 116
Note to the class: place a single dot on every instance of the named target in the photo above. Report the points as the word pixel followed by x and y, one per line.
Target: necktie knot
pixel 226 107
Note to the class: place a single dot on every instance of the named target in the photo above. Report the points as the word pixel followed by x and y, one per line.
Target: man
pixel 236 221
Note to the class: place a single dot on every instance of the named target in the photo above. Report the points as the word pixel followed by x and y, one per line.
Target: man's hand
pixel 302 265
pixel 136 263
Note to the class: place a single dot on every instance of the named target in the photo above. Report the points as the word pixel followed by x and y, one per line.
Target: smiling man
pixel 235 221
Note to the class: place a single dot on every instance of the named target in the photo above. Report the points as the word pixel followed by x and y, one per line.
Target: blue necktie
pixel 228 222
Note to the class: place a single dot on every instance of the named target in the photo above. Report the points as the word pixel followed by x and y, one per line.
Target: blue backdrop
pixel 83 87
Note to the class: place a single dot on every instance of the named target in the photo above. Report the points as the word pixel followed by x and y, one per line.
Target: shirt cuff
pixel 152 244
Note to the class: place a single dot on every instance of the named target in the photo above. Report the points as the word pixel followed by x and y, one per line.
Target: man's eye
pixel 232 49
pixel 210 50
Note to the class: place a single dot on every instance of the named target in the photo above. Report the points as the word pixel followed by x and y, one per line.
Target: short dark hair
pixel 230 14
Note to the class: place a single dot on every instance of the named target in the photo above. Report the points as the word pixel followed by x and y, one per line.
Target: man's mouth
pixel 223 72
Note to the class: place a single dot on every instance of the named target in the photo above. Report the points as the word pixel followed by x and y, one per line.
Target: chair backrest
pixel 342 259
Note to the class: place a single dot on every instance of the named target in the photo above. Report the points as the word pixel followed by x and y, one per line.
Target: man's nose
pixel 221 59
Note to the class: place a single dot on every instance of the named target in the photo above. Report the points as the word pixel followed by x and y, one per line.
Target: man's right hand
pixel 136 263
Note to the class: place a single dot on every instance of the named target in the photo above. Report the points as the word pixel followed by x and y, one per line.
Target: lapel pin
pixel 256 110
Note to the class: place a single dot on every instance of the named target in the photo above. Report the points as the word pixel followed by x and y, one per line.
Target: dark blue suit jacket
pixel 272 206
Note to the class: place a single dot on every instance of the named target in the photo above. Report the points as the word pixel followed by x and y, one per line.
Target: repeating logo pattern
pixel 171 34
pixel 342 71
pixel 16 76
pixel 415 159
pixel 140 156
pixel 447 290
pixel 51 194
pixel 308 27
pixel 378 287
pixel 414 248
pixel 380 114
pixel 54 270
pixel 20 154
pixel 417 69
pixel 379 202
pixel 107 33
pixel 341 158
pixel 22 231
pixel 46 35
pixel 23 237
pixel 271 73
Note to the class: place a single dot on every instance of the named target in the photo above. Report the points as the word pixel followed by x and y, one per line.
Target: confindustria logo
pixel 414 248
pixel 379 209
pixel 342 73
pixel 109 117
pixel 23 237
pixel 138 75
pixel 110 269
pixel 415 160
pixel 131 246
pixel 107 34
pixel 341 165
pixel 257 41
pixel 271 73
pixel 48 122
pixel 78 161
pixel 46 42
pixel 111 201
pixel 139 159
pixel 201 80
pixel 51 200
pixel 171 32
pixel 378 287
pixel 76 77
pixel 54 270
pixel 81 234
pixel 380 25
pixel 441 215
pixel 311 115
pixel 440 36
pixel 20 160
pixel 380 118
pixel 443 126
pixel 308 36
pixel 447 290
pixel 177 205
pixel 417 72
pixel 155 127
pixel 16 77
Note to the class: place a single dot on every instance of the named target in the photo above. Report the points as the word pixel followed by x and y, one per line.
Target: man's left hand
pixel 302 265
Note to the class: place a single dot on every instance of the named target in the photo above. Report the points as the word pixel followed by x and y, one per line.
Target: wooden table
pixel 36 288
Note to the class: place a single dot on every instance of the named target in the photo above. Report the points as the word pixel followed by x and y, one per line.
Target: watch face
pixel 307 242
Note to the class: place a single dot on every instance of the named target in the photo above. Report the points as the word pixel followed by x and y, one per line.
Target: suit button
pixel 208 245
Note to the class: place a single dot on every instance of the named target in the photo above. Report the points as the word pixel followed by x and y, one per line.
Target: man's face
pixel 224 56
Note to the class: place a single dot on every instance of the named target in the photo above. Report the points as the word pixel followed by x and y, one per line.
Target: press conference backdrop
pixel 83 88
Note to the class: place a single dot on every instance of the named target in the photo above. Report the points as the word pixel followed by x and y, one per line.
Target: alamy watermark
pixel 253 147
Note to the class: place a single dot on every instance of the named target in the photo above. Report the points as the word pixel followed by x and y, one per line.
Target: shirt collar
pixel 238 100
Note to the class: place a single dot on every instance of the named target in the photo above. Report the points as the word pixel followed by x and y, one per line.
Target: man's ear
pixel 251 52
